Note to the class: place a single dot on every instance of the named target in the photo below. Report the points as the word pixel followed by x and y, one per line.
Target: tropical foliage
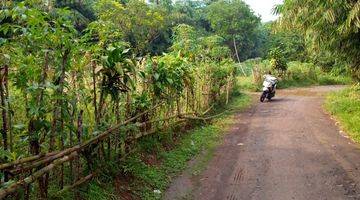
pixel 327 26
pixel 81 81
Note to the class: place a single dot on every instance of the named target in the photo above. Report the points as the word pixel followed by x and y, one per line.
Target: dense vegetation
pixel 330 28
pixel 83 81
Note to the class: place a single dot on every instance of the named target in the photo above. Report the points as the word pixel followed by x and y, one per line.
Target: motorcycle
pixel 269 88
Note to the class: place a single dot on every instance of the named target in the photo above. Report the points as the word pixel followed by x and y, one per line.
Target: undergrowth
pixel 345 106
pixel 161 157
pixel 297 75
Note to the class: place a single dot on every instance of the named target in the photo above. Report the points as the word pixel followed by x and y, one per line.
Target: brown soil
pixel 288 148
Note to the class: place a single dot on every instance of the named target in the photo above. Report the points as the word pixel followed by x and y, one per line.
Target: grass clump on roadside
pixel 162 156
pixel 345 106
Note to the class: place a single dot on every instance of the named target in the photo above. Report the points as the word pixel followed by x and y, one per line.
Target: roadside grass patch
pixel 247 83
pixel 345 106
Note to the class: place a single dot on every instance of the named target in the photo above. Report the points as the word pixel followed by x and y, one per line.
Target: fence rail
pixel 38 168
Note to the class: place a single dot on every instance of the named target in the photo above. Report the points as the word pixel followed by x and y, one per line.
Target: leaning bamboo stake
pixel 76 184
pixel 26 160
pixel 28 180
pixel 52 156
pixel 103 135
pixel 47 159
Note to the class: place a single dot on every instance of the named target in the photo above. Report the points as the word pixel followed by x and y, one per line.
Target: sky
pixel 263 8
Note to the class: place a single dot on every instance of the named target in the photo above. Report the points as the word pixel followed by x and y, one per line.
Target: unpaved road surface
pixel 285 149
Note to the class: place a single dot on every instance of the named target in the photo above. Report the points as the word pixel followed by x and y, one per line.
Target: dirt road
pixel 280 150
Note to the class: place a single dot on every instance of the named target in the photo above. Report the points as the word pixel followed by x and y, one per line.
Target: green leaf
pixel 156 76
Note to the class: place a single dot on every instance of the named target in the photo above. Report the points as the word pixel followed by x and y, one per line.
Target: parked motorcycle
pixel 269 88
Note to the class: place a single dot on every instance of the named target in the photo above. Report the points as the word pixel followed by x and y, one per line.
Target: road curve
pixel 285 149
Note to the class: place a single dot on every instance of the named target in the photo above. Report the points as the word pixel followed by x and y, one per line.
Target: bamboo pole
pixel 76 184
pixel 52 156
pixel 28 180
pixel 26 160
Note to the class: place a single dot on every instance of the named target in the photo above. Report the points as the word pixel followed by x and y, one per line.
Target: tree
pixel 291 43
pixel 331 26
pixel 139 23
pixel 236 23
pixel 277 60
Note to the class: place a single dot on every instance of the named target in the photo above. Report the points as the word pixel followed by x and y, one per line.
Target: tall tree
pixel 237 23
pixel 331 26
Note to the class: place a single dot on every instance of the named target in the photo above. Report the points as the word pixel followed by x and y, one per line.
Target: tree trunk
pixel 77 160
pixel 58 114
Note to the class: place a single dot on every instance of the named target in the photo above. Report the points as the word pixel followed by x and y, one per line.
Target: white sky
pixel 264 8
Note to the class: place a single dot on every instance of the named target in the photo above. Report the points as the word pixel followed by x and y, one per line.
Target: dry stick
pixel 208 110
pixel 13 187
pixel 47 159
pixel 227 91
pixel 85 179
pixel 43 181
pixel 4 129
pixel 140 135
pixel 6 84
pixel 117 114
pixel 74 110
pixel 26 160
pixel 61 104
pixel 237 56
pixel 76 184
pixel 3 106
pixel 164 119
pixel 77 161
pixel 204 118
pixel 93 65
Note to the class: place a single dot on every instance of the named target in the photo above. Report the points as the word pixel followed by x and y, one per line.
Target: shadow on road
pixel 279 100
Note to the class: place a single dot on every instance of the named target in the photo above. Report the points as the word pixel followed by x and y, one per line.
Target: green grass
pixel 145 178
pixel 247 83
pixel 202 139
pixel 298 75
pixel 345 106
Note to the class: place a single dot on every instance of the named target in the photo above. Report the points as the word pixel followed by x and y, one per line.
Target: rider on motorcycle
pixel 270 78
pixel 269 87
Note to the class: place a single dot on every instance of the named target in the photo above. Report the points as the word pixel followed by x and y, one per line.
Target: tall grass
pixel 345 106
